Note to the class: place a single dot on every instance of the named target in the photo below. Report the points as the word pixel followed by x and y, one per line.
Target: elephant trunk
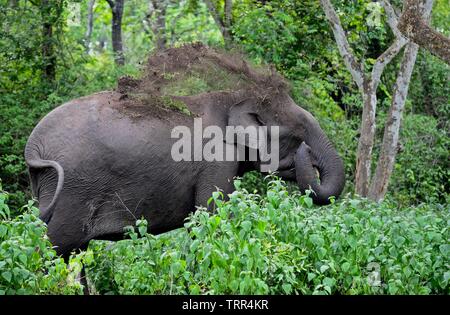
pixel 318 153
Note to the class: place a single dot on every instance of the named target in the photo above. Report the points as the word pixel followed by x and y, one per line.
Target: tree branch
pixel 228 7
pixel 90 24
pixel 350 61
pixel 33 2
pixel 159 28
pixel 392 17
pixel 385 58
pixel 413 26
pixel 225 23
pixel 212 8
pixel 399 42
pixel 111 3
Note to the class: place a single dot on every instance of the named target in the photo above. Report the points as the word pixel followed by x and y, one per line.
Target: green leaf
pixel 311 276
pixel 194 245
pixel 23 259
pixel 321 252
pixel 287 288
pixel 328 282
pixel 246 225
pixel 345 266
pixel 308 201
pixel 3 230
pixel 324 268
pixel 393 289
pixel 7 276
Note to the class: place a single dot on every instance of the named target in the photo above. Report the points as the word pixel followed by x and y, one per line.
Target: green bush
pixel 281 244
pixel 422 169
pixel 28 264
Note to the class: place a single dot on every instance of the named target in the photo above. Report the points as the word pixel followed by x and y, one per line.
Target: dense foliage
pixel 28 264
pixel 276 243
pixel 267 238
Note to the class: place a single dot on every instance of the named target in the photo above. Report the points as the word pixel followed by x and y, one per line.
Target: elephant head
pixel 305 153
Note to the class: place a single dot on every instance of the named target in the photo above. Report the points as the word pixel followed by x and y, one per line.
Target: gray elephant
pixel 99 162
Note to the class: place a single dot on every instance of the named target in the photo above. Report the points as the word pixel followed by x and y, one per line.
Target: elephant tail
pixel 47 212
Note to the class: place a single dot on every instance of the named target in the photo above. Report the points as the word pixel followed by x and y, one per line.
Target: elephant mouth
pixel 290 173
pixel 322 174
pixel 287 173
pixel 287 170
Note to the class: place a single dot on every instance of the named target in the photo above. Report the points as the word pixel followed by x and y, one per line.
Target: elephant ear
pixel 241 120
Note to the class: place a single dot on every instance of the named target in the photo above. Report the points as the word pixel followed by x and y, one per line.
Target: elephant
pixel 99 162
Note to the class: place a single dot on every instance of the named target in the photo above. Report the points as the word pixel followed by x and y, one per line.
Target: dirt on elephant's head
pixel 193 69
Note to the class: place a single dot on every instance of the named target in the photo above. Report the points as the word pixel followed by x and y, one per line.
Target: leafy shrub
pixel 281 244
pixel 430 88
pixel 422 169
pixel 254 182
pixel 28 264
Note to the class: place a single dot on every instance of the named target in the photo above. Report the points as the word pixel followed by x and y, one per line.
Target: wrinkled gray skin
pixel 95 168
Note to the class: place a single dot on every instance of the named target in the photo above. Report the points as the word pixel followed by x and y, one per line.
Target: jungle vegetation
pixel 347 63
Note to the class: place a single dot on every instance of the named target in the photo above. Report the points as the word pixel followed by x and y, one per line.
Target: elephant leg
pixel 66 226
pixel 217 176
pixel 65 237
pixel 83 280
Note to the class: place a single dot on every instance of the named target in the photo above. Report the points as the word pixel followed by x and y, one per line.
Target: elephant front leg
pixel 218 176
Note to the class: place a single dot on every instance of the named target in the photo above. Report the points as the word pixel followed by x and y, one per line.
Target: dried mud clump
pixel 193 69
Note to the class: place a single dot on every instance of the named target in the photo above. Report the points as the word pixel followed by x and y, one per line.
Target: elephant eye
pixel 258 119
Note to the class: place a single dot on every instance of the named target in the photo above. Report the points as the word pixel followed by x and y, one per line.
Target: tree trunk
pixel 159 29
pixel 368 86
pixel 366 139
pixel 48 48
pixel 228 7
pixel 90 24
pixel 388 152
pixel 225 23
pixel 116 27
pixel 392 127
